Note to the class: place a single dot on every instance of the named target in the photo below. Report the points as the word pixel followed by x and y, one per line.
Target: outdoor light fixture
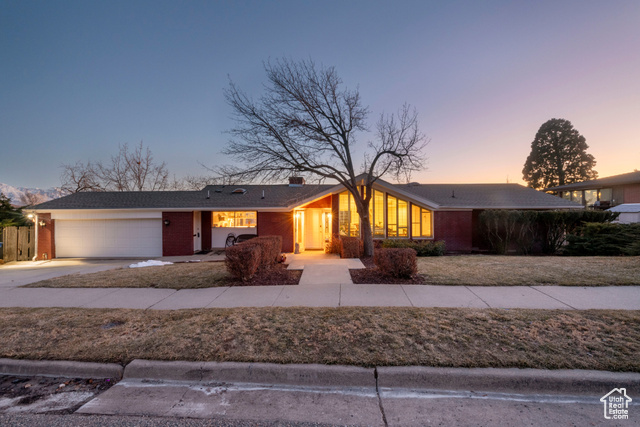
pixel 42 224
pixel 167 222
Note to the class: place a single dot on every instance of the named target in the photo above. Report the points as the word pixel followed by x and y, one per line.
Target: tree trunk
pixel 367 235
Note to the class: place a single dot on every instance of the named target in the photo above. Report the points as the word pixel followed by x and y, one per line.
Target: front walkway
pixel 326 282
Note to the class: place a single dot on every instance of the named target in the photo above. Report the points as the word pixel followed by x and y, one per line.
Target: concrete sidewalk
pixel 325 282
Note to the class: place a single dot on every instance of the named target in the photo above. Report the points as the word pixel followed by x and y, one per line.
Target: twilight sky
pixel 77 78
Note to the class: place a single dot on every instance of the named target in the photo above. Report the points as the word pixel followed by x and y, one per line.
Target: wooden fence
pixel 18 243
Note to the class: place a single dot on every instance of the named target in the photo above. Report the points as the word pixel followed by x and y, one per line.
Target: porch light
pixel 42 224
pixel 167 222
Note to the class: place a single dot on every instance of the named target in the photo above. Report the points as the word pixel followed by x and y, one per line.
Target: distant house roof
pixel 438 196
pixel 623 179
pixel 626 208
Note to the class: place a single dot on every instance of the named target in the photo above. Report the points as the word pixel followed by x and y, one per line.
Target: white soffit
pixel 105 214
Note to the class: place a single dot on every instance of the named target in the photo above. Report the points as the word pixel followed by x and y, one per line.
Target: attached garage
pixel 103 238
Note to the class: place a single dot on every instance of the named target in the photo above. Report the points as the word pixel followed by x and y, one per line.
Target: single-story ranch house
pixel 166 223
pixel 603 192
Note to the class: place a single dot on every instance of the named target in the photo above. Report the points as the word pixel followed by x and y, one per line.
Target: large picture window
pixel 420 222
pixel 397 217
pixel 349 220
pixel 234 219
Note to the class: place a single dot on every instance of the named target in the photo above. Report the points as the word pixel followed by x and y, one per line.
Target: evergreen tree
pixel 558 157
pixel 10 216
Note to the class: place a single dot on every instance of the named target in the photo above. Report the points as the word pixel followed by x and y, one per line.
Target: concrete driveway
pixel 16 274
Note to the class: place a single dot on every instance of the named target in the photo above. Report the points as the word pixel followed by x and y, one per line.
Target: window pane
pixel 355 218
pixel 576 196
pixel 392 216
pixel 415 221
pixel 590 196
pixel 403 218
pixel 234 219
pixel 378 227
pixel 344 214
pixel 605 195
pixel 222 219
pixel 426 223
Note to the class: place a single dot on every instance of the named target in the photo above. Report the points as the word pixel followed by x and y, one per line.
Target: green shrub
pixel 604 239
pixel 422 247
pixel 396 262
pixel 531 230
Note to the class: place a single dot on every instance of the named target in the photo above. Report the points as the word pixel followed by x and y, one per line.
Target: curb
pixel 508 380
pixel 502 380
pixel 264 373
pixel 61 368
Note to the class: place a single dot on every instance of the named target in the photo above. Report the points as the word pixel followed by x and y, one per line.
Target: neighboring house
pixel 629 213
pixel 603 192
pixel 166 223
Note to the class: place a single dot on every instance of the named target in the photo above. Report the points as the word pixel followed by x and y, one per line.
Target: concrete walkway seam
pixel 61 368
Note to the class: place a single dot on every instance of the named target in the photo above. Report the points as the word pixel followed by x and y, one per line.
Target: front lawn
pixel 546 339
pixel 485 270
pixel 176 276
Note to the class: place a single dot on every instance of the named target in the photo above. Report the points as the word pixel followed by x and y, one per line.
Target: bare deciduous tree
pixel 134 170
pixel 30 199
pixel 129 170
pixel 306 123
pixel 79 177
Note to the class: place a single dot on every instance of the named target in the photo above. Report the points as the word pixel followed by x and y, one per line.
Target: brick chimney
pixel 296 181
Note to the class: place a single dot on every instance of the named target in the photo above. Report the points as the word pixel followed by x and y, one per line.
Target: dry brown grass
pixel 483 270
pixel 549 339
pixel 176 276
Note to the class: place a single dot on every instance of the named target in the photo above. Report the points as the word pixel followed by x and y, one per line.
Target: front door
pixel 197 232
pixel 314 229
pixel 298 228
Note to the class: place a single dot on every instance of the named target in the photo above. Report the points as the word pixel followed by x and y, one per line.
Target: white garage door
pixel 108 238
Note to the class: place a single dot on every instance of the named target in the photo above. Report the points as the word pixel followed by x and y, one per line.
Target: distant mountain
pixel 20 195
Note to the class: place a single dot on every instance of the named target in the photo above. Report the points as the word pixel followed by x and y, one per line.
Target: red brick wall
pixel 46 237
pixel 206 231
pixel 632 193
pixel 177 237
pixel 277 224
pixel 455 228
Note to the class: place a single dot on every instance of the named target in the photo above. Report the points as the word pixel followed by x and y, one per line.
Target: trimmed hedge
pixel 242 260
pixel 334 246
pixel 535 231
pixel 422 247
pixel 396 262
pixel 350 247
pixel 245 259
pixel 604 239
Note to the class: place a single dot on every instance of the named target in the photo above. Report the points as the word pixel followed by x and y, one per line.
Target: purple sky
pixel 77 78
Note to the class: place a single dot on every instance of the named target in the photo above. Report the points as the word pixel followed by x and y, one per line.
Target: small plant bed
pixel 176 276
pixel 366 336
pixel 371 275
pixel 275 276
